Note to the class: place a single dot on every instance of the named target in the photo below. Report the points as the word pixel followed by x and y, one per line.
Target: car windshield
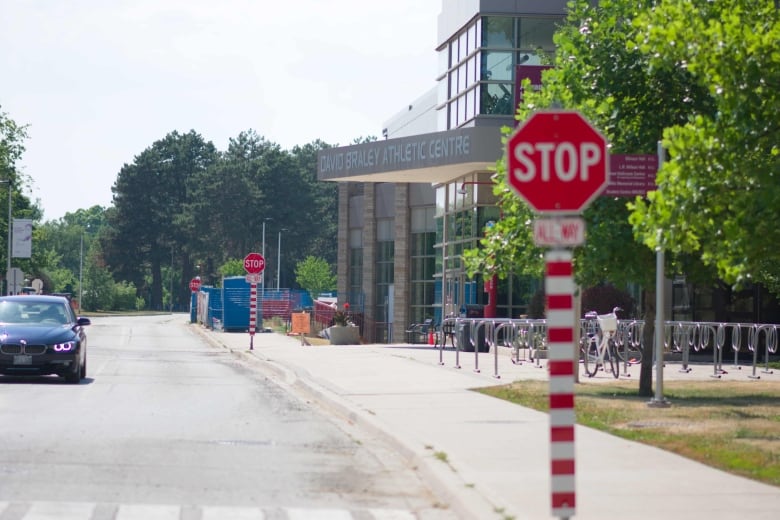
pixel 33 313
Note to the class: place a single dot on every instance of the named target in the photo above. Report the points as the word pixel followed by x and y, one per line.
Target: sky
pixel 99 81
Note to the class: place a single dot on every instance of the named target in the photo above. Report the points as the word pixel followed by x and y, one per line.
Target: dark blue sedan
pixel 41 335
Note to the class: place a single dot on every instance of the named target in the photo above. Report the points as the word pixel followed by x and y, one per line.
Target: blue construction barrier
pixel 235 305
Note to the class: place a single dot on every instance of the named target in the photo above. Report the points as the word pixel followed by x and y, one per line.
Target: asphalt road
pixel 169 426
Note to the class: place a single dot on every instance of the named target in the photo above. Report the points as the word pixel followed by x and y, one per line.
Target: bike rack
pixel 679 336
pixel 770 339
pixel 510 333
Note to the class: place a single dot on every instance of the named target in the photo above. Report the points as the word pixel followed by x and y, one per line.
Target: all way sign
pixel 563 231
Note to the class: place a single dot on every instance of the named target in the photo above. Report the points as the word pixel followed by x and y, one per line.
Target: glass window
pixel 356 270
pixel 471 72
pixel 385 200
pixel 441 200
pixel 453 84
pixel 453 53
pixel 496 99
pixel 384 229
pixel 537 33
pixel 422 220
pixel 385 256
pixel 498 32
pixel 496 66
pixel 463 48
pixel 356 211
pixel 356 237
pixel 422 267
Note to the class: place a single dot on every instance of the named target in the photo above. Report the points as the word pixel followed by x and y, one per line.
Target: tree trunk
pixel 648 346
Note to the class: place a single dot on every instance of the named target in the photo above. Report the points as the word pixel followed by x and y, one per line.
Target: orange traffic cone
pixel 430 337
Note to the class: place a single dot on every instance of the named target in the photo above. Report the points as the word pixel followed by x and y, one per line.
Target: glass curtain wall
pixel 463 209
pixel 422 263
pixel 384 213
pixel 482 62
pixel 385 260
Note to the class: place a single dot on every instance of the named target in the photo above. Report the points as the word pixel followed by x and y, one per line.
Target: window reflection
pixel 496 66
pixel 496 98
pixel 498 32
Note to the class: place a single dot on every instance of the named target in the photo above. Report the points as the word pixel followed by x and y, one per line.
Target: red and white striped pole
pixel 559 289
pixel 252 313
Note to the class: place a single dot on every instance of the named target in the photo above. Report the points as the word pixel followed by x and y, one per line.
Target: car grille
pixel 32 350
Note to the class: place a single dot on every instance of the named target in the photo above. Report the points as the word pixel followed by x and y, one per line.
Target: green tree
pixel 233 267
pixel 318 213
pixel 718 191
pixel 315 275
pixel 12 138
pixel 255 181
pixel 611 82
pixel 144 229
pixel 64 245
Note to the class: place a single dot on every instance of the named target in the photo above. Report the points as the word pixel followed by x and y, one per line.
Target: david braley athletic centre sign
pixel 468 145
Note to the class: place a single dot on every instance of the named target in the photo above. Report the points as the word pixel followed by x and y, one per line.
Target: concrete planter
pixel 344 335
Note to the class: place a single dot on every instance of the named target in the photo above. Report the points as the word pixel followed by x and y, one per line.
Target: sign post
pixel 254 263
pixel 558 163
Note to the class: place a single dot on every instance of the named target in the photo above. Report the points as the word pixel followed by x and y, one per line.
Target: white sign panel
pixel 15 278
pixel 22 238
pixel 254 277
pixel 564 231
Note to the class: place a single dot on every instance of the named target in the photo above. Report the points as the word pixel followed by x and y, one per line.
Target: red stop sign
pixel 254 263
pixel 557 162
pixel 195 284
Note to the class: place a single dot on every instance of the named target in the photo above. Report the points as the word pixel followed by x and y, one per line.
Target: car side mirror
pixel 83 322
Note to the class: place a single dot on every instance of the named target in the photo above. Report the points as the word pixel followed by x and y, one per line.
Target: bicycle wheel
pixel 590 357
pixel 614 362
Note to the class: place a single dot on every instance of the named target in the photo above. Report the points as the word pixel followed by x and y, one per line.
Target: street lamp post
pixel 171 281
pixel 81 271
pixel 279 259
pixel 10 227
pixel 262 275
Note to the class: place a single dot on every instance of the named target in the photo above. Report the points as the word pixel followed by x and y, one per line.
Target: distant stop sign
pixel 195 284
pixel 254 263
pixel 557 162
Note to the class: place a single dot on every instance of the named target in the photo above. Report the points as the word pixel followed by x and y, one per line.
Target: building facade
pixel 410 203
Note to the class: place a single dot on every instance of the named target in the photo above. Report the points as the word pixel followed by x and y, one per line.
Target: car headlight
pixel 64 347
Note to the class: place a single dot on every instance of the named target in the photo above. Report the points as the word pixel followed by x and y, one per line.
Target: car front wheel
pixel 74 376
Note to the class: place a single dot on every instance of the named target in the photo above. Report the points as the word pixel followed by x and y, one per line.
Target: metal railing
pixel 527 339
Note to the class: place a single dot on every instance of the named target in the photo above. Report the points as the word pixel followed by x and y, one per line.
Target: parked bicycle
pixel 598 347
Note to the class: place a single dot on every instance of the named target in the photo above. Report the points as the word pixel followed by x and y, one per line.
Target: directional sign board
pixel 254 263
pixel 557 162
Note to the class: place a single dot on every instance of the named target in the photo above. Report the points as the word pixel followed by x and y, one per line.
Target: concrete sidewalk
pixel 497 453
